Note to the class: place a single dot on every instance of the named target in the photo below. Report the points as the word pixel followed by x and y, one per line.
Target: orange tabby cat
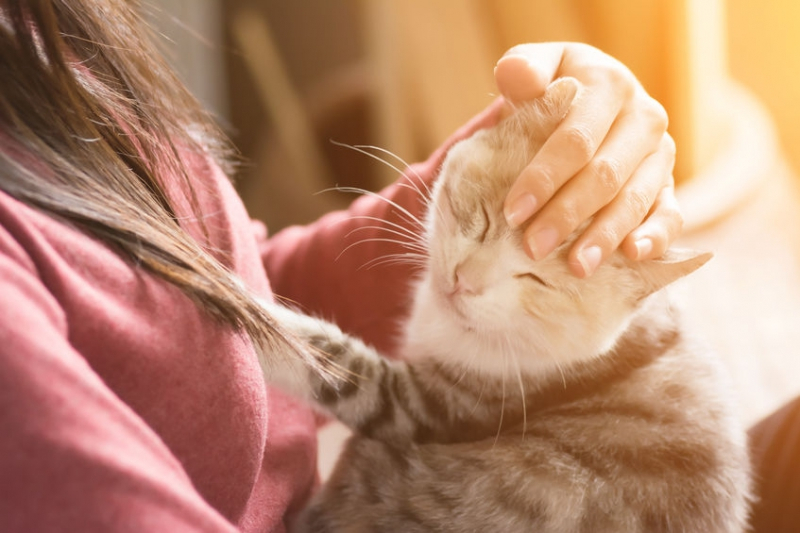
pixel 527 399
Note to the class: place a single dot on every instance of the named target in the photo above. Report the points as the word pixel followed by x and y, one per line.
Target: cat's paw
pixel 282 366
pixel 302 374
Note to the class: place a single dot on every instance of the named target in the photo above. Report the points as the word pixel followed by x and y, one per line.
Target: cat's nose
pixel 464 283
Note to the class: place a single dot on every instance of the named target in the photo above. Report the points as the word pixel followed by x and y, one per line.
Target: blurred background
pixel 286 77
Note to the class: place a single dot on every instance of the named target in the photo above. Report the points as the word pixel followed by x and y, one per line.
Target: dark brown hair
pixel 87 96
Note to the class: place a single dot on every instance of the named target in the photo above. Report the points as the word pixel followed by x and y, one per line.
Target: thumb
pixel 525 71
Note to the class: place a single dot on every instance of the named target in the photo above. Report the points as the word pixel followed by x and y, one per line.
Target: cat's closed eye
pixel 533 277
pixel 486 224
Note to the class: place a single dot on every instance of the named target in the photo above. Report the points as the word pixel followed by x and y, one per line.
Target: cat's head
pixel 482 298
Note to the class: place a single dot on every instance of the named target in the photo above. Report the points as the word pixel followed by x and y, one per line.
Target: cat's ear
pixel 673 265
pixel 551 108
pixel 560 93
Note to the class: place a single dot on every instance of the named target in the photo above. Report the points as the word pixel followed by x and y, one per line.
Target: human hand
pixel 611 158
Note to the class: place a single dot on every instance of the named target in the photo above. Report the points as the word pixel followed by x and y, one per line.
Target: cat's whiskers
pixel 502 398
pixel 408 167
pixel 364 149
pixel 409 258
pixel 521 382
pixel 411 243
pixel 382 223
pixel 563 376
pixel 404 213
pixel 413 187
pixel 409 173
pixel 480 397
pixel 403 244
pixel 464 368
pixel 434 205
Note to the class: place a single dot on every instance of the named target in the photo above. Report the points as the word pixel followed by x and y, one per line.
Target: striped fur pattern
pixel 526 399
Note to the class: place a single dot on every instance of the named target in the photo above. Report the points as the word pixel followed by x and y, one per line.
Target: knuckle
pixel 544 183
pixel 583 48
pixel 679 221
pixel 676 215
pixel 638 203
pixel 621 77
pixel 569 216
pixel 581 142
pixel 609 175
pixel 607 236
pixel 667 155
pixel 623 81
pixel 665 226
pixel 668 145
pixel 655 114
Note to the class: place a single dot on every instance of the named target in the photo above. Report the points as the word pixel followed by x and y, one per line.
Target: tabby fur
pixel 526 399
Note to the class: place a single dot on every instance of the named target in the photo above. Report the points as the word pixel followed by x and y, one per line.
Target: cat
pixel 526 399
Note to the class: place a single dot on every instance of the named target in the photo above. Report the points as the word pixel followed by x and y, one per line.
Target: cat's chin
pixel 459 340
pixel 469 316
pixel 448 307
pixel 444 326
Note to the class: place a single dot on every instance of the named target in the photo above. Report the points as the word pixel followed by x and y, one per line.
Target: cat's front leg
pixel 295 372
pixel 373 396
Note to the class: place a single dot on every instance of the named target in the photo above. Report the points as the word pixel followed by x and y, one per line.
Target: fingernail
pixel 543 242
pixel 643 247
pixel 520 210
pixel 589 258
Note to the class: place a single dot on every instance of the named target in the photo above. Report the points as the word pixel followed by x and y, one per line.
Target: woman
pixel 130 396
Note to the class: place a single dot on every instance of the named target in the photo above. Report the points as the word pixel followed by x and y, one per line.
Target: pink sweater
pixel 123 407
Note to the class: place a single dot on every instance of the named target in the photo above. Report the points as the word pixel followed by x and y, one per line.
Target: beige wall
pixel 422 67
pixel 675 47
pixel 764 54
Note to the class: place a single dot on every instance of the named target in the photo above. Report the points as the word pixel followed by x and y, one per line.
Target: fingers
pixel 618 186
pixel 569 149
pixel 610 159
pixel 643 217
pixel 608 91
pixel 652 238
